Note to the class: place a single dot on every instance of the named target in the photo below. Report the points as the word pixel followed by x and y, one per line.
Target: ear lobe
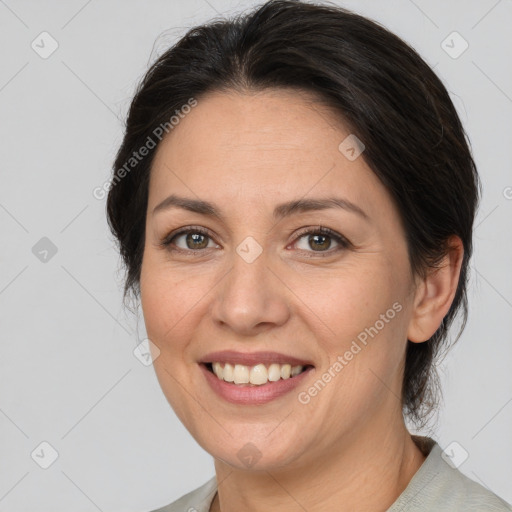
pixel 434 295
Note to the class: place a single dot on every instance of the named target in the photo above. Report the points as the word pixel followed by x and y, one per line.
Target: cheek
pixel 173 302
pixel 348 300
pixel 360 324
pixel 170 305
pixel 165 300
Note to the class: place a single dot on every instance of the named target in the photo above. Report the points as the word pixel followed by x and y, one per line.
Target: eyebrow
pixel 280 211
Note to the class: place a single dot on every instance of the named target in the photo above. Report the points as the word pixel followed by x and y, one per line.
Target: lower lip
pixel 252 395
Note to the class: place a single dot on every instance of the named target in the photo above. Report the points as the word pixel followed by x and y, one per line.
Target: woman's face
pixel 260 281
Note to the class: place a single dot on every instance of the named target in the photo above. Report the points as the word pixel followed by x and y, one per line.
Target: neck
pixel 366 473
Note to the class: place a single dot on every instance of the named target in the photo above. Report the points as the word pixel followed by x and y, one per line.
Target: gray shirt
pixel 436 486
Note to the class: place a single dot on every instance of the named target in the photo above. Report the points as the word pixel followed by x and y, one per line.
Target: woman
pixel 294 200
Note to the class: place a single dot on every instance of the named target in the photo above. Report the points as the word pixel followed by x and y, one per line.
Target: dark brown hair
pixel 381 89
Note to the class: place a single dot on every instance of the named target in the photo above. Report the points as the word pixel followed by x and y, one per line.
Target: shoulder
pixel 439 486
pixel 198 500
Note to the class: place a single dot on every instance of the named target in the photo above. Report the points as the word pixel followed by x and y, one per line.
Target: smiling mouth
pixel 257 375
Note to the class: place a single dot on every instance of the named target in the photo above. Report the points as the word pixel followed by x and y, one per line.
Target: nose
pixel 250 298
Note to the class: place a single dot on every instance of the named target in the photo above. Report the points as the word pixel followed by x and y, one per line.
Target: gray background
pixel 68 373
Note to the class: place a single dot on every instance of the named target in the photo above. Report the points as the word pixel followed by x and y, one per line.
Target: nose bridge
pixel 250 295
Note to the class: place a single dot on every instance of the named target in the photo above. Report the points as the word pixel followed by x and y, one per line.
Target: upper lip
pixel 252 358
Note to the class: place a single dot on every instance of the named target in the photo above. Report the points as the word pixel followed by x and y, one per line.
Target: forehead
pixel 268 146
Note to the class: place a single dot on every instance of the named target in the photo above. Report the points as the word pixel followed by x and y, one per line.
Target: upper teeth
pixel 258 375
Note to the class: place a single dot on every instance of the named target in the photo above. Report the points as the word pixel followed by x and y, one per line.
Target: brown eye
pixel 191 240
pixel 320 240
pixel 196 240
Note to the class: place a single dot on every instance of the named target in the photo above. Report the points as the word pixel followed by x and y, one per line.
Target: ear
pixel 434 294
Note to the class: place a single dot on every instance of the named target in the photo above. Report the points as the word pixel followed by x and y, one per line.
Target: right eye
pixel 194 239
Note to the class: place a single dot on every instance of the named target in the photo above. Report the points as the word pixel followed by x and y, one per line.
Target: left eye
pixel 320 240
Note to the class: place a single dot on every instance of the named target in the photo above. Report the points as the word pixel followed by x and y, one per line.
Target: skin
pixel 348 448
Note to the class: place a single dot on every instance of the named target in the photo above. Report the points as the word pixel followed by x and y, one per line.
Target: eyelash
pixel 342 241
